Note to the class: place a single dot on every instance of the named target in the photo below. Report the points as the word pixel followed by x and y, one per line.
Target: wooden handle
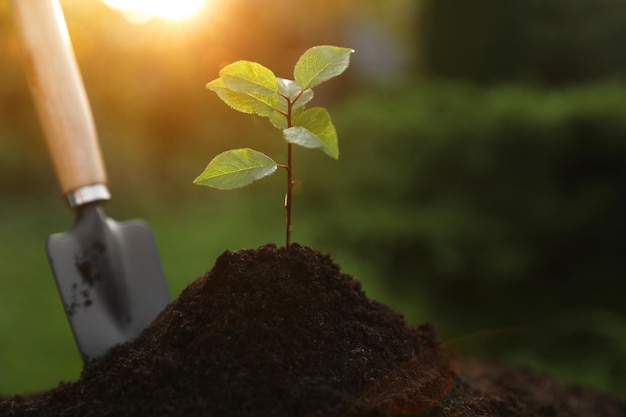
pixel 59 94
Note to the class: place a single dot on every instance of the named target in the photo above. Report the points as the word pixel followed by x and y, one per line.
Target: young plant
pixel 251 88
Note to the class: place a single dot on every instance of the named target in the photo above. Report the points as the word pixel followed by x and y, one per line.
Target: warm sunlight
pixel 141 11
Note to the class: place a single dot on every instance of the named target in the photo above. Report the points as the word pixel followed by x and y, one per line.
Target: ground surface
pixel 277 332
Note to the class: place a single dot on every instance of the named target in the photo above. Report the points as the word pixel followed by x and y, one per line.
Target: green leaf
pixel 235 169
pixel 314 129
pixel 278 120
pixel 245 103
pixel 290 89
pixel 321 63
pixel 299 135
pixel 249 78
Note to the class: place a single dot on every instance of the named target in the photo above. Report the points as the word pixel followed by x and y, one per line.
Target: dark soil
pixel 277 332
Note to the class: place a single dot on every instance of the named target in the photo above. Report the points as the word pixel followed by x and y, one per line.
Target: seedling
pixel 251 88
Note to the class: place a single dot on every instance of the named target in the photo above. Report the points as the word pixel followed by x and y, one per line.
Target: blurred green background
pixel 481 183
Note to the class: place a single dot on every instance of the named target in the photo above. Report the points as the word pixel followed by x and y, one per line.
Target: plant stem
pixel 288 200
pixel 290 184
pixel 288 167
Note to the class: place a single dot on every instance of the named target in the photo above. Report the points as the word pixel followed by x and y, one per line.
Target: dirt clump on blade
pixel 282 332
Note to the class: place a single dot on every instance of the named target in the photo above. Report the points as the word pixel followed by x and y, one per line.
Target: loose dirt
pixel 282 332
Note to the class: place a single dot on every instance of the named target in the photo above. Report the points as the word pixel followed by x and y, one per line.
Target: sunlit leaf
pixel 250 78
pixel 321 63
pixel 278 120
pixel 236 168
pixel 245 103
pixel 314 129
pixel 291 90
pixel 299 135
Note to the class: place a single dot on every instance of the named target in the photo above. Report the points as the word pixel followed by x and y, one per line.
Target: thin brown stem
pixel 290 184
pixel 288 197
pixel 289 168
pixel 281 112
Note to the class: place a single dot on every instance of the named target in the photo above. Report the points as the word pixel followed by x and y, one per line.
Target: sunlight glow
pixel 142 11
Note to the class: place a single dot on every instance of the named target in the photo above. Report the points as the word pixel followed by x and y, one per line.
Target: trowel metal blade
pixel 110 279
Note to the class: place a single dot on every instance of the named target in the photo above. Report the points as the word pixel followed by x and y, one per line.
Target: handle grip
pixel 57 89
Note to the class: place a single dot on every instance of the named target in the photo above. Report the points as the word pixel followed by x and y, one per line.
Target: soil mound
pixel 282 332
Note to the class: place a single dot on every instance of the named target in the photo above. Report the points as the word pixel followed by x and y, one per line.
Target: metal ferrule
pixel 88 194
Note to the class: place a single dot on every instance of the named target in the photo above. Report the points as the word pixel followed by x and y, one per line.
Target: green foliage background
pixel 494 208
pixel 479 187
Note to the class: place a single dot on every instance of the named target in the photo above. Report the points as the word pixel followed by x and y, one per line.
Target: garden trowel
pixel 108 274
